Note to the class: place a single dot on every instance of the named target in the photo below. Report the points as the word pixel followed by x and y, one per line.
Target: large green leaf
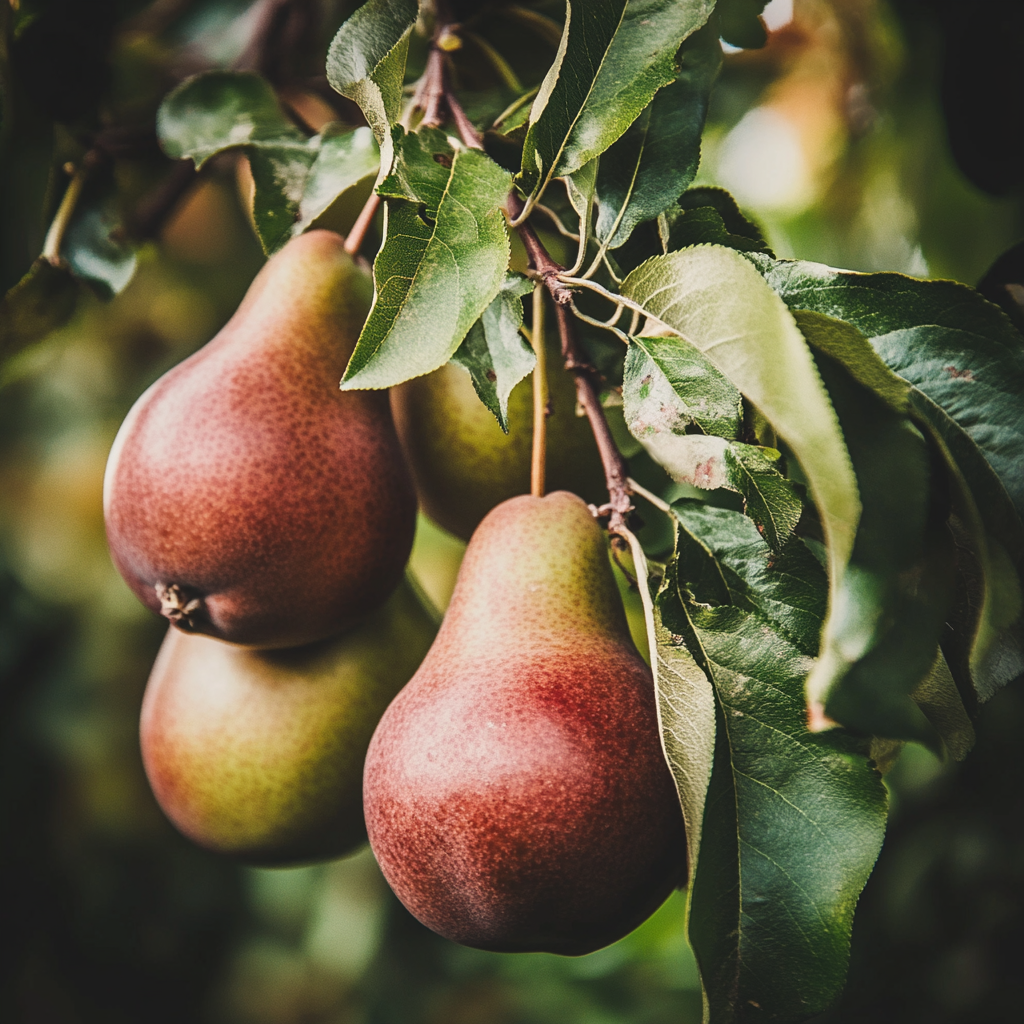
pixel 495 352
pixel 221 110
pixel 793 821
pixel 443 259
pixel 218 110
pixel 366 63
pixel 717 566
pixel 659 414
pixel 960 364
pixel 956 348
pixel 647 169
pixel 686 710
pixel 613 57
pixel 713 298
pixel 889 607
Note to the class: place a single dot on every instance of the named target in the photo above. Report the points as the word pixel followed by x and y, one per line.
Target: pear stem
pixel 540 398
pixel 354 239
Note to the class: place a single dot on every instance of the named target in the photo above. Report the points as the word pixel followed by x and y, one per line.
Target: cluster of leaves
pixel 853 578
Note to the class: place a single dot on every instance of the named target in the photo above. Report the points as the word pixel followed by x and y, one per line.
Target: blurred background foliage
pixel 866 134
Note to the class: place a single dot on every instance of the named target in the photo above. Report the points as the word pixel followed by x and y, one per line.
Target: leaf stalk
pixel 66 210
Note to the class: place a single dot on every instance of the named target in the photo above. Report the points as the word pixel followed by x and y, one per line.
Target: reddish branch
pixel 616 472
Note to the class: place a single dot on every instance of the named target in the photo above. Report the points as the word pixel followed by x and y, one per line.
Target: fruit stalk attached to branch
pixel 540 398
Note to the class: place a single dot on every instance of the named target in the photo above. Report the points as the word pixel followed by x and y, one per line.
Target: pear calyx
pixel 177 607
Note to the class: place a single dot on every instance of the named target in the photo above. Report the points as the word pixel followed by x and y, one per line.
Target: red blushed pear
pixel 259 754
pixel 515 792
pixel 246 496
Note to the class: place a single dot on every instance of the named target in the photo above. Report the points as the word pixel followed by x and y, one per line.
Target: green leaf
pixel 793 822
pixel 443 259
pixel 711 297
pixel 741 23
pixel 735 221
pixel 942 339
pixel 658 416
pixel 686 710
pixel 768 497
pixel 889 607
pixel 495 352
pixel 43 300
pixel 956 349
pixel 688 383
pixel 92 248
pixel 222 110
pixel 721 548
pixel 366 63
pixel 613 57
pixel 703 225
pixel 647 169
pixel 344 161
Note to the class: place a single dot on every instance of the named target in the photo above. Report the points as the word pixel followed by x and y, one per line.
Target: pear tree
pixel 812 476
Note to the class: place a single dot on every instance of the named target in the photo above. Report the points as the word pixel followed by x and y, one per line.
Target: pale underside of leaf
pixel 686 711
pixel 366 63
pixel 713 297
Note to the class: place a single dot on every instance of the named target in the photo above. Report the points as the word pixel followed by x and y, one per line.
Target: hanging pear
pixel 259 754
pixel 464 465
pixel 248 498
pixel 515 791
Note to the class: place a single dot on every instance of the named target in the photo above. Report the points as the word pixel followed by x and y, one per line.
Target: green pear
pixel 259 754
pixel 515 792
pixel 248 498
pixel 462 462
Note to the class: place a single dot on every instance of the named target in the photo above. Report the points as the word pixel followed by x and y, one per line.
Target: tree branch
pixel 616 473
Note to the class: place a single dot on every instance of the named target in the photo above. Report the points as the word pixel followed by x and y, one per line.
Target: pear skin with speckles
pixel 515 791
pixel 464 465
pixel 259 754
pixel 246 497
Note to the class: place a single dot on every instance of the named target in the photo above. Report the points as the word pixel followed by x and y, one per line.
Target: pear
pixel 259 754
pixel 462 462
pixel 515 792
pixel 246 497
